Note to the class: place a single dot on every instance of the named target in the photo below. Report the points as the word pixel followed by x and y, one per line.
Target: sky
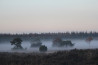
pixel 26 16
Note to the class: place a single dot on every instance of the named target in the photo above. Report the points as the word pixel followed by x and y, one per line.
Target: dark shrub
pixel 67 43
pixel 59 43
pixel 43 48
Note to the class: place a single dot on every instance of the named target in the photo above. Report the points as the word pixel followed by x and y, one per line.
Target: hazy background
pixel 18 16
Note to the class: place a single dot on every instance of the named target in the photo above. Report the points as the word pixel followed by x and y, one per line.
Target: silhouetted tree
pixel 17 43
pixel 57 41
pixel 36 42
pixel 89 39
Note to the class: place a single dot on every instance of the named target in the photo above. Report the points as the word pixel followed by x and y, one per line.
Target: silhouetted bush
pixel 43 48
pixel 67 43
pixel 60 43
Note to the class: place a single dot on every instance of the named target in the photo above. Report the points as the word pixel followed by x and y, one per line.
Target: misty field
pixel 48 32
pixel 49 49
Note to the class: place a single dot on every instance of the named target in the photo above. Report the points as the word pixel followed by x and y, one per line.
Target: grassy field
pixel 73 57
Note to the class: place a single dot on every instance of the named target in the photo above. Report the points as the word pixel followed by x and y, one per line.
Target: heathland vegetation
pixel 73 57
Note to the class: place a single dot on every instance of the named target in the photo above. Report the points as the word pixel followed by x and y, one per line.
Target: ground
pixel 72 57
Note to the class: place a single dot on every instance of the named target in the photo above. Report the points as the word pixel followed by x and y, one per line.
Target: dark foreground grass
pixel 73 57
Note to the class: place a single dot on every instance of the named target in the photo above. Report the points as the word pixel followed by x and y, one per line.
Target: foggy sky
pixel 17 16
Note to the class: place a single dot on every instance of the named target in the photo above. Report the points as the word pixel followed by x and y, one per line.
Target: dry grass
pixel 73 57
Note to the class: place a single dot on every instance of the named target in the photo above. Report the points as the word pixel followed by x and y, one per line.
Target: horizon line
pixel 49 32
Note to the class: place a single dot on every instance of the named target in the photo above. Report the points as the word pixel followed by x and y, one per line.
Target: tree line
pixel 26 36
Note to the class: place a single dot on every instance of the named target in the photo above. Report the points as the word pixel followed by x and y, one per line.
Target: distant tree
pixel 57 41
pixel 89 39
pixel 17 43
pixel 43 48
pixel 35 42
pixel 60 43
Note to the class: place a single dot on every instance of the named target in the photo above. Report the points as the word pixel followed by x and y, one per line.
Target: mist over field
pixel 48 32
pixel 78 39
pixel 79 44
